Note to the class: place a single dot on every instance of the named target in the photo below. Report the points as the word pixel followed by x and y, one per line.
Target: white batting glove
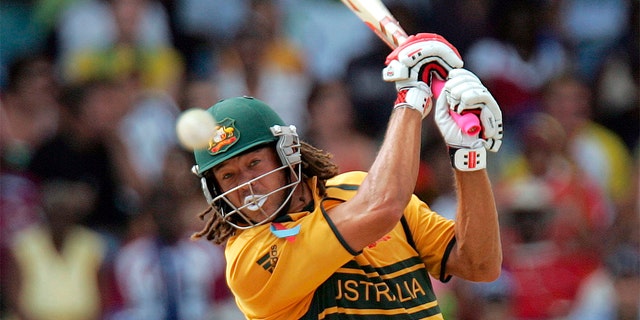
pixel 463 92
pixel 412 66
pixel 419 58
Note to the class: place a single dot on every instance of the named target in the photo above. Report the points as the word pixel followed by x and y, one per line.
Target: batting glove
pixel 421 57
pixel 463 92
pixel 414 95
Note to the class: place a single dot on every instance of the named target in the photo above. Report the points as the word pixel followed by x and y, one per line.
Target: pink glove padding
pixel 436 87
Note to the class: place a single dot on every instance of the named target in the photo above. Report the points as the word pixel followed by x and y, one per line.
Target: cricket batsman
pixel 304 242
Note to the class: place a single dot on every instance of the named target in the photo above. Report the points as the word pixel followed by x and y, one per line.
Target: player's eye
pixel 254 163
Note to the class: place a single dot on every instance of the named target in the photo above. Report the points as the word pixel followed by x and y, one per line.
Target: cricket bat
pixel 376 15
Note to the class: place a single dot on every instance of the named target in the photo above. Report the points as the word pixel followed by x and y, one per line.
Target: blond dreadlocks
pixel 315 163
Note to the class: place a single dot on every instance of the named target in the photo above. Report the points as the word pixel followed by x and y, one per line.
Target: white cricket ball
pixel 195 127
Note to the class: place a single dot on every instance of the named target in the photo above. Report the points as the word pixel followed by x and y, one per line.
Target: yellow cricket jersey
pixel 315 275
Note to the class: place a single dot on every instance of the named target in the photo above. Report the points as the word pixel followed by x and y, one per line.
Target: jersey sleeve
pixel 432 234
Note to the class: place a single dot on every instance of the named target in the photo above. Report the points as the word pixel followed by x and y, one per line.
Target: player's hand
pixel 463 92
pixel 421 57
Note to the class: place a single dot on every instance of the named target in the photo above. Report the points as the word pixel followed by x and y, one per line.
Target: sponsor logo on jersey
pixel 269 260
pixel 375 243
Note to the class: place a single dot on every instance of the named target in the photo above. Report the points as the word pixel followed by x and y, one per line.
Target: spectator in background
pixel 327 54
pixel 198 93
pixel 369 94
pixel 584 211
pixel 165 275
pixel 29 109
pixel 161 273
pixel 592 29
pixel 332 127
pixel 262 62
pixel 597 150
pixel 119 39
pixel 135 51
pixel 463 22
pixel 92 24
pixel 87 148
pixel 147 131
pixel 435 185
pixel 617 84
pixel 55 268
pixel 613 292
pixel 484 301
pixel 554 221
pixel 28 117
pixel 19 210
pixel 519 57
pixel 202 28
pixel 22 33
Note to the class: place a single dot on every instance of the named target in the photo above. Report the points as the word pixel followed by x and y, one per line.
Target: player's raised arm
pixel 384 194
pixel 477 254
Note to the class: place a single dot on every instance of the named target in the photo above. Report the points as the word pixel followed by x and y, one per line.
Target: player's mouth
pixel 254 202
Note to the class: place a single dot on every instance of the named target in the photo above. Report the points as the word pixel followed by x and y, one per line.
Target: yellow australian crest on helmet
pixel 224 137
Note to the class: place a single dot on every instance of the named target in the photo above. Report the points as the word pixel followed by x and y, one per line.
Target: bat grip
pixel 468 122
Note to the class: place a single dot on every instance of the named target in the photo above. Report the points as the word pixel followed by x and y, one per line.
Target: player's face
pixel 238 171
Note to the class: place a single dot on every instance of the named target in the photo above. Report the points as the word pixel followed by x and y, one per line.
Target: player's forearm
pixel 380 201
pixel 392 177
pixel 478 248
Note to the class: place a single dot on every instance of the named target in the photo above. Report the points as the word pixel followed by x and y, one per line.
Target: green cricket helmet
pixel 244 123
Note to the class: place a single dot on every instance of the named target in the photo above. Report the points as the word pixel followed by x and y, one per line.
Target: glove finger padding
pixel 456 85
pixel 463 92
pixel 450 130
pixel 491 120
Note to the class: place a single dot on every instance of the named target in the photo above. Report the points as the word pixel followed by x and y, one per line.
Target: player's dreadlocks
pixel 315 163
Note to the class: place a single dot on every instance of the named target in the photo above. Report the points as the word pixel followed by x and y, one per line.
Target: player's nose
pixel 247 187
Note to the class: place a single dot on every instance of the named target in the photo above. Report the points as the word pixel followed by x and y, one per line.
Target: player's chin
pixel 260 216
pixel 273 207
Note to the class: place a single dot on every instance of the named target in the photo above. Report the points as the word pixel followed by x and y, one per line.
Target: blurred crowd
pixel 97 200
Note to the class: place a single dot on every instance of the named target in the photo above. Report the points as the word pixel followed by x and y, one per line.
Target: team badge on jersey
pixel 226 135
